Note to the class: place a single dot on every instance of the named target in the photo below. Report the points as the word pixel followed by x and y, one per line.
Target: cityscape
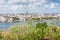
pixel 29 19
pixel 24 17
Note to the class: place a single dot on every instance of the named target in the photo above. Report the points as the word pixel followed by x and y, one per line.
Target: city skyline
pixel 32 6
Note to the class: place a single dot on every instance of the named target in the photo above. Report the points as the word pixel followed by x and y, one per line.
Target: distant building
pixel 3 19
pixel 10 19
pixel 22 17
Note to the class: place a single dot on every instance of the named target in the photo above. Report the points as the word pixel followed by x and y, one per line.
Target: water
pixel 7 25
pixel 56 22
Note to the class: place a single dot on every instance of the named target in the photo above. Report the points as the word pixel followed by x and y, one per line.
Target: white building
pixel 3 19
pixel 10 19
pixel 22 17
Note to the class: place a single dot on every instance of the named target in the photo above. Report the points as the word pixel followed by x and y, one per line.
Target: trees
pixel 27 32
pixel 40 27
pixel 1 36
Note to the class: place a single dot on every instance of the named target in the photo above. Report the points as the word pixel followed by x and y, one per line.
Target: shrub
pixel 27 32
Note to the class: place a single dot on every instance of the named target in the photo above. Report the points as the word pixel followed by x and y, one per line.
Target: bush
pixel 27 32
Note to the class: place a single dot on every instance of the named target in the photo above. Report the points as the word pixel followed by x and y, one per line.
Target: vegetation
pixel 15 18
pixel 50 18
pixel 35 18
pixel 40 31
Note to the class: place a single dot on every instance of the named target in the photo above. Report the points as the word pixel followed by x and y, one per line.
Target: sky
pixel 32 6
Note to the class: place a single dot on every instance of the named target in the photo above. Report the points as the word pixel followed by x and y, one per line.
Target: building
pixel 22 18
pixel 10 19
pixel 3 19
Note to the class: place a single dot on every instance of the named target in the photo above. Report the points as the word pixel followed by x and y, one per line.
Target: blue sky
pixel 32 6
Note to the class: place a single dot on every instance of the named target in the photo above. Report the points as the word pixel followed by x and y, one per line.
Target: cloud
pixel 16 5
pixel 36 3
pixel 26 1
pixel 13 4
pixel 51 5
pixel 2 2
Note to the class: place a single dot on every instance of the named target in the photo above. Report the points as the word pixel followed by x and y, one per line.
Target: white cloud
pixel 51 5
pixel 16 7
pixel 4 7
pixel 26 1
pixel 36 3
pixel 30 4
pixel 2 2
pixel 12 7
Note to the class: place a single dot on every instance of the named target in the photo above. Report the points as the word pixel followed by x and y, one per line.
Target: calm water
pixel 56 22
pixel 7 25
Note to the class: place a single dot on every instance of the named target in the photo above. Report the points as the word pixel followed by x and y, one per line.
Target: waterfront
pixel 7 24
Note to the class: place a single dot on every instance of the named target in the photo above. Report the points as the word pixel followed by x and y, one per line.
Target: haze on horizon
pixel 32 6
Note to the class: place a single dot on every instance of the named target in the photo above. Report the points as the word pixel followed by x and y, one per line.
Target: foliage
pixel 15 18
pixel 31 32
pixel 35 18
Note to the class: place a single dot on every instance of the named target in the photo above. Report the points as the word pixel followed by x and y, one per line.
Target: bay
pixel 7 24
